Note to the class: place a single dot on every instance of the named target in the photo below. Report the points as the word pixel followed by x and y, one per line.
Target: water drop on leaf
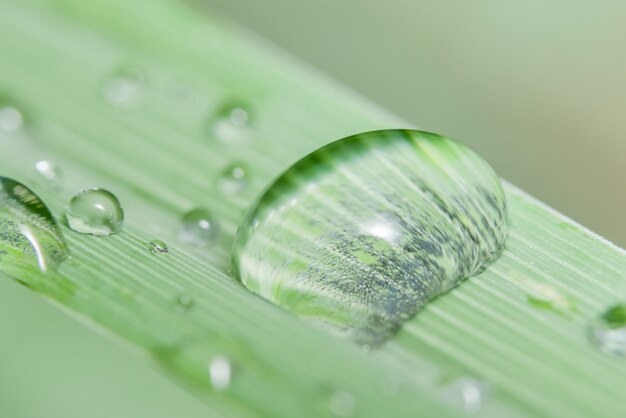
pixel 376 226
pixel 608 332
pixel 95 211
pixel 220 373
pixel 341 404
pixel 11 116
pixel 124 88
pixel 544 296
pixel 28 231
pixel 157 247
pixel 234 178
pixel 48 170
pixel 231 122
pixel 467 392
pixel 184 302
pixel 198 227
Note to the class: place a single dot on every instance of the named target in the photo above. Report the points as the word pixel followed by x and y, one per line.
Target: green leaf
pixel 130 96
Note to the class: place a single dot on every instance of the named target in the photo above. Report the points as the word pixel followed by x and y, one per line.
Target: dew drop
pixel 233 179
pixel 11 118
pixel 95 211
pixel 377 225
pixel 184 302
pixel 48 170
pixel 231 122
pixel 220 373
pixel 608 332
pixel 124 88
pixel 157 247
pixel 547 297
pixel 467 392
pixel 198 227
pixel 28 231
pixel 341 404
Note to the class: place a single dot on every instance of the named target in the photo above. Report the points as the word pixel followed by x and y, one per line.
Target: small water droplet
pixel 11 117
pixel 341 404
pixel 184 302
pixel 220 373
pixel 157 247
pixel 467 392
pixel 234 178
pixel 48 170
pixel 382 223
pixel 231 122
pixel 124 88
pixel 544 296
pixel 95 211
pixel 608 332
pixel 27 227
pixel 198 227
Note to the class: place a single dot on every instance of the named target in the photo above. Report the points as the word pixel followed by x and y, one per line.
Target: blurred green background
pixel 535 87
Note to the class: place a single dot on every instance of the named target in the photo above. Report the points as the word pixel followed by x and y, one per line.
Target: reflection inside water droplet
pixel 198 227
pixel 220 371
pixel 28 231
pixel 608 332
pixel 95 211
pixel 124 88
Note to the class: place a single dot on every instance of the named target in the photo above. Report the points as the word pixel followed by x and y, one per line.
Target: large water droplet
pixel 28 231
pixel 231 122
pixel 375 225
pixel 220 373
pixel 234 178
pixel 95 211
pixel 124 88
pixel 609 331
pixel 198 227
pixel 11 117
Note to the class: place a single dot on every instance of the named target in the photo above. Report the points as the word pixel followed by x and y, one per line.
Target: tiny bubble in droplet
pixel 198 227
pixel 608 332
pixel 95 211
pixel 220 373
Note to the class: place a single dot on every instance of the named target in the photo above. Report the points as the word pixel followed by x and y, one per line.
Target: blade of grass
pixel 161 160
